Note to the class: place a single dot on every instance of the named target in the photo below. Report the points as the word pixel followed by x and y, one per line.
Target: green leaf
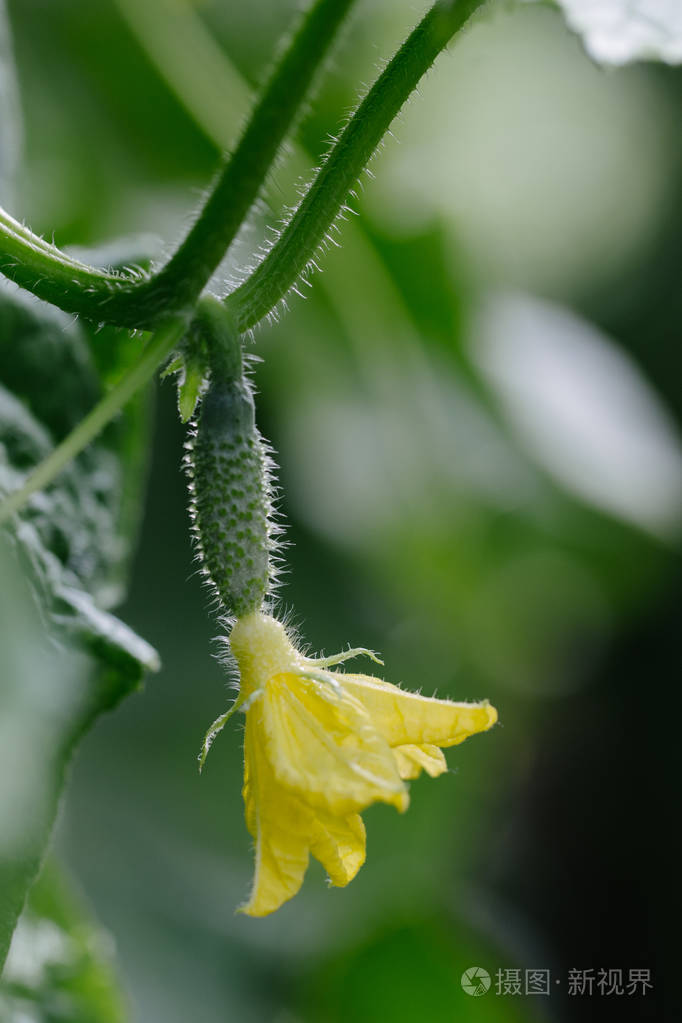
pixel 64 657
pixel 44 705
pixel 49 697
pixel 77 534
pixel 60 965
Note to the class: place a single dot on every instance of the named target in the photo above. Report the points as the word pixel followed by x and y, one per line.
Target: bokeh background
pixel 477 415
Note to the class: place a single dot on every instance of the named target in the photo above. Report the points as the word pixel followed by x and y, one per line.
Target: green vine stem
pixel 198 73
pixel 189 270
pixel 109 297
pixel 51 274
pixel 310 225
pixel 164 341
pixel 139 303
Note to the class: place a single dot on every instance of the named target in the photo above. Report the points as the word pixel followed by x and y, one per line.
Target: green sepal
pixel 212 345
pixel 191 379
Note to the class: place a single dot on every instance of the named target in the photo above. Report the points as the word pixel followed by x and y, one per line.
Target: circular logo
pixel 475 981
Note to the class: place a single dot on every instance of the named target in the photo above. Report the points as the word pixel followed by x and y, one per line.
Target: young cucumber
pixel 230 484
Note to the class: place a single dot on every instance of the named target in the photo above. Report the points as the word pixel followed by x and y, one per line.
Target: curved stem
pixel 327 195
pixel 159 348
pixel 217 727
pixel 191 267
pixel 198 73
pixel 10 227
pixel 100 295
pixel 53 275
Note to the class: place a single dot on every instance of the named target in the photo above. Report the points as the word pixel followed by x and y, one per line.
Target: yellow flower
pixel 320 746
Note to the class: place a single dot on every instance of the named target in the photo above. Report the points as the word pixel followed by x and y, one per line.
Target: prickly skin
pixel 231 502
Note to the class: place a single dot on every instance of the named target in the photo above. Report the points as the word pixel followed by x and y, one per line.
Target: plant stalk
pixel 140 303
pixel 309 227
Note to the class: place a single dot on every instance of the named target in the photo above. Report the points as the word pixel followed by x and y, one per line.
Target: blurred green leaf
pixel 74 535
pixel 10 124
pixel 411 971
pixel 59 968
pixel 44 705
pixel 582 409
pixel 525 572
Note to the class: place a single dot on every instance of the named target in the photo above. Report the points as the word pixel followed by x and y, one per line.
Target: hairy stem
pixel 159 348
pixel 189 270
pixel 200 75
pixel 191 61
pixel 52 275
pixel 327 195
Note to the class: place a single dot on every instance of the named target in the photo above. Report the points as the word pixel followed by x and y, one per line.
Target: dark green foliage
pixel 74 535
pixel 72 541
pixel 231 504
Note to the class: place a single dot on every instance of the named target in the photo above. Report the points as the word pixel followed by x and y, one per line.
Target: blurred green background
pixel 477 416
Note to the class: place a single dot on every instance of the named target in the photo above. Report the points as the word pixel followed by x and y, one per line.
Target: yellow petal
pixel 339 844
pixel 412 759
pixel 324 748
pixel 281 826
pixel 406 718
